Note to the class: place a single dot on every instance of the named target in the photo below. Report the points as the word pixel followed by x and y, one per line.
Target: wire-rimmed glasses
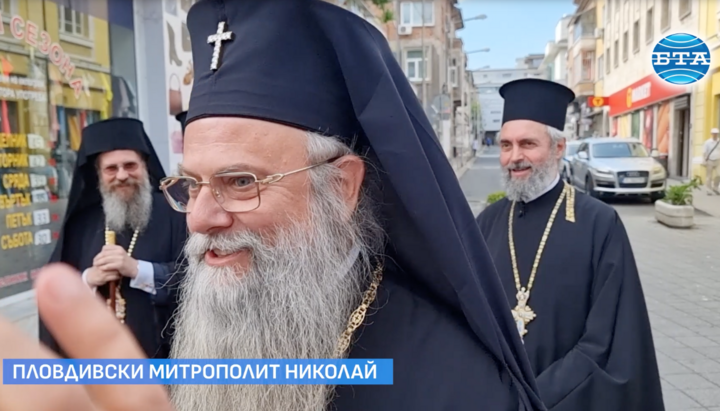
pixel 236 192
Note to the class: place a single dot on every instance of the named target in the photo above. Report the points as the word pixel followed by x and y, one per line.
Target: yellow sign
pixel 629 97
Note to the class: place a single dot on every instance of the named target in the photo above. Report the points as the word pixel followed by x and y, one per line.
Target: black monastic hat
pixel 317 67
pixel 538 100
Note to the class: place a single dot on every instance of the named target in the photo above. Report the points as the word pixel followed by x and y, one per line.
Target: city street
pixel 679 271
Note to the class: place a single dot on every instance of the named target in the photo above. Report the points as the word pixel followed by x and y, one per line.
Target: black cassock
pixel 591 345
pixel 438 364
pixel 147 316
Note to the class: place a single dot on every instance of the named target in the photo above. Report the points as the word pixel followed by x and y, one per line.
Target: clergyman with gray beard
pixel 325 222
pixel 567 267
pixel 116 188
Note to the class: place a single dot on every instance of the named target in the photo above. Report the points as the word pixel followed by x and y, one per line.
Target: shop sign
pixel 29 31
pixel 649 90
pixel 597 101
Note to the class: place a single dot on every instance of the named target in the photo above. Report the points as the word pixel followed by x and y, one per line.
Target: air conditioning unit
pixel 405 30
pixel 599 32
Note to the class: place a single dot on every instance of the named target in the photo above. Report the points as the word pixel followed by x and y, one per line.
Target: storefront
pixel 61 68
pixel 658 114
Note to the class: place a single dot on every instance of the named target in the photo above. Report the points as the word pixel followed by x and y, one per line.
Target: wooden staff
pixel 110 240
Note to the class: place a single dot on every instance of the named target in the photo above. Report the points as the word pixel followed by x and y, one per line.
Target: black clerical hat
pixel 538 100
pixel 315 66
pixel 181 119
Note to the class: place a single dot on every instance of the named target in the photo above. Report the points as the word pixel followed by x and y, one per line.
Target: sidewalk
pixel 21 309
pixel 709 204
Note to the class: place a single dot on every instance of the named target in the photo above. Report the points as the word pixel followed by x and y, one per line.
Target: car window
pixel 571 149
pixel 618 150
pixel 583 147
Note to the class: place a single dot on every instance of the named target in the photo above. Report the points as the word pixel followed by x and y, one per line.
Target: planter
pixel 676 216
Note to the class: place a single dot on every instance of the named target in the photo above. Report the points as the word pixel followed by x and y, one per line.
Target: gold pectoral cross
pixel 522 313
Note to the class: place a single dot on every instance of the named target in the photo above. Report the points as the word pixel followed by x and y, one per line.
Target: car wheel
pixel 590 188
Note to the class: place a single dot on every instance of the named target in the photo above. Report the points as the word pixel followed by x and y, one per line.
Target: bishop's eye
pixel 239 182
pixel 189 185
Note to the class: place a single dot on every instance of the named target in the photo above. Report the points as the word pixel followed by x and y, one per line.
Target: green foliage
pixel 494 197
pixel 388 14
pixel 681 194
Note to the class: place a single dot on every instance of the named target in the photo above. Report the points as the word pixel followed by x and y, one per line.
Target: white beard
pixel 294 301
pixel 134 213
pixel 527 189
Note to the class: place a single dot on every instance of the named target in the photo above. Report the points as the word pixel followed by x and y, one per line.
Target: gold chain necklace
pixel 522 313
pixel 116 298
pixel 358 316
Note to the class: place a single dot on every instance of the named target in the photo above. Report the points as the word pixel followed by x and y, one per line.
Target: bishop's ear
pixel 352 174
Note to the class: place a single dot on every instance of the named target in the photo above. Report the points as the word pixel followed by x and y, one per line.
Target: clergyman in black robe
pixel 286 87
pixel 122 193
pixel 589 341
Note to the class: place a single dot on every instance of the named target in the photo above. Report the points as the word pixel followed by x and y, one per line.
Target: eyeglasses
pixel 236 192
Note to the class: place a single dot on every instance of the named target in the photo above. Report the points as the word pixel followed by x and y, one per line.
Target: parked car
pixel 617 167
pixel 570 149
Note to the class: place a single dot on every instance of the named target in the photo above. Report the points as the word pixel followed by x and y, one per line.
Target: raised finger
pixel 84 328
pixel 15 344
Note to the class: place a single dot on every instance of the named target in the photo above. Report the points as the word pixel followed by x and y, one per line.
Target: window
pixel 684 8
pixel 626 37
pixel 618 150
pixel 616 54
pixel 453 76
pixel 636 36
pixel 412 13
pixel 649 25
pixel 577 66
pixel 600 65
pixel 6 6
pixel 495 112
pixel 588 66
pixel 608 62
pixel 415 66
pixel 664 14
pixel 507 74
pixel 74 22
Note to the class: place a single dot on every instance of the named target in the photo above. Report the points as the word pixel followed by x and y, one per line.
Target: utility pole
pixel 398 21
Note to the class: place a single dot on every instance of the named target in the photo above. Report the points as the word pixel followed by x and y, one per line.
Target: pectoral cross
pixel 217 39
pixel 522 314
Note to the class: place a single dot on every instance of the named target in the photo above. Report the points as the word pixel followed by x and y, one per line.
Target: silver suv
pixel 617 167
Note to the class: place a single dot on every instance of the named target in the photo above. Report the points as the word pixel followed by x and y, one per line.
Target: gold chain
pixel 119 301
pixel 358 316
pixel 543 240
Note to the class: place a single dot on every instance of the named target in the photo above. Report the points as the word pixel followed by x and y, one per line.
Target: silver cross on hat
pixel 217 38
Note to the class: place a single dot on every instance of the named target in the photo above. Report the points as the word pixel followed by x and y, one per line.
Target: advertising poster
pixel 178 69
pixel 663 128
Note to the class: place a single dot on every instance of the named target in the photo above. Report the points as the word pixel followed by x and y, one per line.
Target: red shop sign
pixel 649 90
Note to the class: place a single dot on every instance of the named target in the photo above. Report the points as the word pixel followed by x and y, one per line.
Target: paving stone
pixel 689 381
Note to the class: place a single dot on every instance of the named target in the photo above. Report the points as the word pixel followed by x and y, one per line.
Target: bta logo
pixel 681 59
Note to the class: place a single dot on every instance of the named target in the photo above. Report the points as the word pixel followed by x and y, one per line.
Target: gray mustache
pixel 521 165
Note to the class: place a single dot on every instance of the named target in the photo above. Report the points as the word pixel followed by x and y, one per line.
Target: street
pixel 679 270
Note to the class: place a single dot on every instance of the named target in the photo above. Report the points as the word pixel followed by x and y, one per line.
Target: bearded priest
pixel 567 267
pixel 326 222
pixel 116 188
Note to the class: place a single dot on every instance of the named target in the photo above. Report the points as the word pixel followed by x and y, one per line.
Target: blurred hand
pixel 115 258
pixel 97 277
pixel 84 328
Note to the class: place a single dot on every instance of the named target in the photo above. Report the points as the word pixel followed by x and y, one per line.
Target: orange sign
pixel 649 90
pixel 596 101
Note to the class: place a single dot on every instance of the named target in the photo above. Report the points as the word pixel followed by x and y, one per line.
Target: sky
pixel 512 29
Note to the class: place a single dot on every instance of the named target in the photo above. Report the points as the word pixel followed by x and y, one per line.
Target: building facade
pixel 488 83
pixel 641 105
pixel 707 91
pixel 554 62
pixel 425 44
pixel 65 65
pixel 584 121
